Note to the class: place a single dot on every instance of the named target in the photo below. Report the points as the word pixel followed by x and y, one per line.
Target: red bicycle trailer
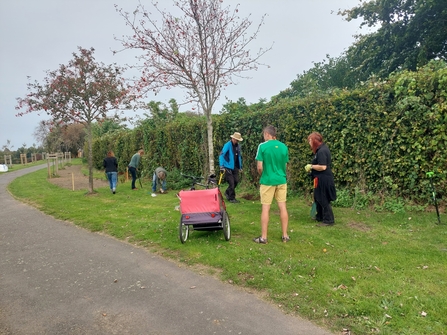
pixel 203 210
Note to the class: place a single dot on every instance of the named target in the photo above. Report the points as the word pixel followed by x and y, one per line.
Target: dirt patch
pixel 72 175
pixel 359 226
pixel 250 196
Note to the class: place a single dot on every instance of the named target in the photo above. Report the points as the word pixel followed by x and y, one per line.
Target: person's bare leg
pixel 265 220
pixel 284 215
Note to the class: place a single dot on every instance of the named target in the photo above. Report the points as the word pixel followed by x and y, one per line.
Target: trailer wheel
pixel 226 226
pixel 183 231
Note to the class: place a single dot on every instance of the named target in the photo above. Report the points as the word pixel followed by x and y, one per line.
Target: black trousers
pixel 232 178
pixel 133 173
pixel 324 210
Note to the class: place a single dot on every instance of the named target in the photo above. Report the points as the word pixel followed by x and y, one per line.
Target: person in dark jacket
pixel 133 166
pixel 111 165
pixel 324 185
pixel 230 160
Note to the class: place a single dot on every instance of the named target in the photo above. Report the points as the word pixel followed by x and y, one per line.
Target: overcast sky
pixel 39 35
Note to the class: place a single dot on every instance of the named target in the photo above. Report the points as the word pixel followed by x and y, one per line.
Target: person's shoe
pixel 113 191
pixel 234 201
pixel 323 224
pixel 153 194
pixel 285 239
pixel 134 189
pixel 260 240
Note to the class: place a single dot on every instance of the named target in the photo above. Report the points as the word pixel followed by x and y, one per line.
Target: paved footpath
pixel 58 279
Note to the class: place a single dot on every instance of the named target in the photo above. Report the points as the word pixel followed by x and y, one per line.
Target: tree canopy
pixel 409 33
pixel 201 49
pixel 83 91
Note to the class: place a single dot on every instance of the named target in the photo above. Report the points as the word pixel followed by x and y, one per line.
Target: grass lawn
pixel 371 273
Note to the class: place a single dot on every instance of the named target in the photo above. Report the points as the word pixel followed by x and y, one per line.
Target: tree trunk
pixel 209 128
pixel 90 158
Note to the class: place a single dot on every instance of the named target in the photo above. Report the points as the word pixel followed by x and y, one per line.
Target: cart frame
pixel 203 209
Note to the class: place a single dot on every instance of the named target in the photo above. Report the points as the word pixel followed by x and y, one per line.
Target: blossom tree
pixel 84 91
pixel 201 49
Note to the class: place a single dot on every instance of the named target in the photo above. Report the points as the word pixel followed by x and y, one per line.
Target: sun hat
pixel 237 136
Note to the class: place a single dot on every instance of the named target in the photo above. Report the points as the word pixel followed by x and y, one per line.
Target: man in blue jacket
pixel 230 160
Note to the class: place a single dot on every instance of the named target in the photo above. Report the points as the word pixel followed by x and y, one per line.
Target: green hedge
pixel 383 136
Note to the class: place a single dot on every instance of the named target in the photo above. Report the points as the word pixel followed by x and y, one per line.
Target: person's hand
pixel 308 168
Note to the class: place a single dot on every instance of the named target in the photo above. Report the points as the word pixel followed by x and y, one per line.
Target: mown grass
pixel 371 273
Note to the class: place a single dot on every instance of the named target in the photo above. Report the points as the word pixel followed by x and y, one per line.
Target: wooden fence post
pixel 8 157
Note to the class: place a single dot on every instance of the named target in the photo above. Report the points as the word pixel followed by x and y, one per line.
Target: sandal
pixel 260 240
pixel 285 239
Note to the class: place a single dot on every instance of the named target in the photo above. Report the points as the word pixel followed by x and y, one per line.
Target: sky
pixel 37 36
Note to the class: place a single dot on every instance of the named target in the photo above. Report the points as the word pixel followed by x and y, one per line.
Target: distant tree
pixel 106 126
pixel 73 136
pixel 410 33
pixel 201 49
pixel 20 151
pixel 238 107
pixel 60 137
pixel 323 77
pixel 54 141
pixel 162 113
pixel 41 132
pixel 83 91
pixel 7 147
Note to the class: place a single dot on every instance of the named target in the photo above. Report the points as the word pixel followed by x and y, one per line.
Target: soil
pixel 74 173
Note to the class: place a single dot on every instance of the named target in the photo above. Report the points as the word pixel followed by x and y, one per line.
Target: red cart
pixel 203 210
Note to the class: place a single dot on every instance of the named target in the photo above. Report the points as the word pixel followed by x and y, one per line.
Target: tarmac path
pixel 58 279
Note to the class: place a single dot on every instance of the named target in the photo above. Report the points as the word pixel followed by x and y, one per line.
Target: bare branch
pixel 201 48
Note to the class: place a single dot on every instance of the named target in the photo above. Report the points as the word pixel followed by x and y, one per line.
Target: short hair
pixel 270 130
pixel 161 175
pixel 110 154
pixel 141 151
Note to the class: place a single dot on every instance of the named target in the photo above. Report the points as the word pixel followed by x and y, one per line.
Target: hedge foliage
pixel 384 136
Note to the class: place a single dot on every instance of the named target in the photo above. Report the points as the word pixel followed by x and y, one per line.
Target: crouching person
pixel 159 178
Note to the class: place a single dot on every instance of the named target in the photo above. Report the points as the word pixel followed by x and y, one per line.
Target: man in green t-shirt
pixel 272 158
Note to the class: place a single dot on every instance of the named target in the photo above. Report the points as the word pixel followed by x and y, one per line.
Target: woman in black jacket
pixel 324 185
pixel 111 165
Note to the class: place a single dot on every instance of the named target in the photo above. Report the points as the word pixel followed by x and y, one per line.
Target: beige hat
pixel 237 136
